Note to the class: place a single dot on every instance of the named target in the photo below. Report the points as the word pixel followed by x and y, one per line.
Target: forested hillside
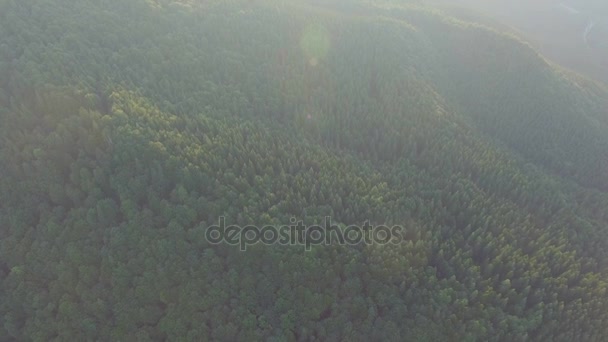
pixel 573 33
pixel 127 128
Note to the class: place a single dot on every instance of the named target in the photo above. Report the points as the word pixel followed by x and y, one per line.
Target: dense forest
pixel 127 128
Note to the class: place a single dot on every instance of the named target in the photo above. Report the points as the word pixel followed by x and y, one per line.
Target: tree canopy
pixel 129 127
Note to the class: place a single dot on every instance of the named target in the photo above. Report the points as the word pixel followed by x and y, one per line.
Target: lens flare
pixel 315 43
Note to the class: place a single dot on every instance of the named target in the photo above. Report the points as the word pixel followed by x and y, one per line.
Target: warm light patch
pixel 315 43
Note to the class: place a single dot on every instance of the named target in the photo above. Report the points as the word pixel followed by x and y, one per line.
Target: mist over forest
pixel 323 170
pixel 572 33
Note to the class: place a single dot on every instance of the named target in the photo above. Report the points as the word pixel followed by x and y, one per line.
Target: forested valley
pixel 127 128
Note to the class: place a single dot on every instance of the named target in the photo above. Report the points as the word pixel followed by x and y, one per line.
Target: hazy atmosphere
pixel 572 33
pixel 268 170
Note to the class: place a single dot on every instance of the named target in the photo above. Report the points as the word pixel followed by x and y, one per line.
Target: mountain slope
pixel 130 127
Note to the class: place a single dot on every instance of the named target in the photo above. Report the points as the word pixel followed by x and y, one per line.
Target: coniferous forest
pixel 127 128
